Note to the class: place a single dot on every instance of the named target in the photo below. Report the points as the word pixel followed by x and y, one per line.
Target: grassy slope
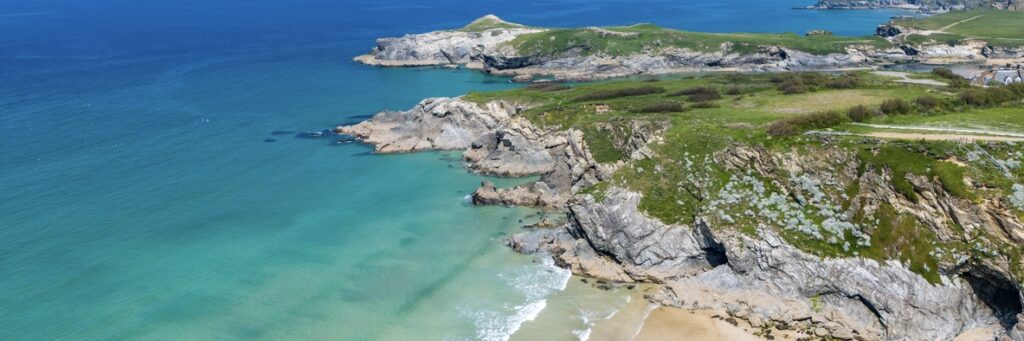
pixel 488 23
pixel 678 183
pixel 646 37
pixel 1002 28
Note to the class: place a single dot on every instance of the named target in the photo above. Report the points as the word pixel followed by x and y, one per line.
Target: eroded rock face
pixel 763 276
pixel 754 276
pixel 433 124
pixel 495 141
pixel 647 249
pixel 573 65
pixel 438 48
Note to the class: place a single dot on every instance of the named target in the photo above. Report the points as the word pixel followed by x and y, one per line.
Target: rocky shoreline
pixel 490 51
pixel 921 6
pixel 757 278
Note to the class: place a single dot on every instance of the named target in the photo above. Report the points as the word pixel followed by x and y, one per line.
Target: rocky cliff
pixel 495 141
pixel 923 5
pixel 498 47
pixel 571 65
pixel 830 238
pixel 450 47
pixel 761 277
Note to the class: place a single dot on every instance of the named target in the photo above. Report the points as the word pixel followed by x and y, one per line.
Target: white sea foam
pixel 584 335
pixel 534 283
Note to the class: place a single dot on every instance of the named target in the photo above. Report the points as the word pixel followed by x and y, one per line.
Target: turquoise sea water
pixel 152 185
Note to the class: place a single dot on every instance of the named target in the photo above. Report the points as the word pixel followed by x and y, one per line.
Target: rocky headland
pixel 815 236
pixel 590 53
pixel 930 6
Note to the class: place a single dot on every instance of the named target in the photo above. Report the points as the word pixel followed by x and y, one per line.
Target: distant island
pixel 504 48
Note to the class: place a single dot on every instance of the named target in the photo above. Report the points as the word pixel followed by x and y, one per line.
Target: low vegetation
pixel 628 40
pixel 997 27
pixel 616 93
pixel 704 115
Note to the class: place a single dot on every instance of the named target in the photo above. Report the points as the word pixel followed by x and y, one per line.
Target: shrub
pixel 546 87
pixel 944 73
pixel 792 88
pixel 705 104
pixel 860 113
pixel 798 124
pixel 845 82
pixel 1017 89
pixel 734 91
pixel 927 102
pixel 953 79
pixel 896 106
pixel 616 93
pixel 660 107
pixel 987 97
pixel 699 94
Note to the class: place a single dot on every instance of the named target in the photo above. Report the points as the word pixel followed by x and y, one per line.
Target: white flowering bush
pixel 1017 197
pixel 750 196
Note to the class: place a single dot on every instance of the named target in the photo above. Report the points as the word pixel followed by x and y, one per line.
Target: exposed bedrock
pixel 449 47
pixel 574 65
pixel 765 279
pixel 496 141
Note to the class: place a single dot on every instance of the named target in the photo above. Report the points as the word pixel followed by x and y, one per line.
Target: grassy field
pixel 645 37
pixel 488 23
pixel 707 113
pixel 1005 28
pixel 1009 119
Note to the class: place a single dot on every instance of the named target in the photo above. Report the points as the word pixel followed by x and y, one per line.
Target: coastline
pixel 500 51
pixel 612 239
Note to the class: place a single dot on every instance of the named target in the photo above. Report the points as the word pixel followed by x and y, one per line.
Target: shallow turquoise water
pixel 140 199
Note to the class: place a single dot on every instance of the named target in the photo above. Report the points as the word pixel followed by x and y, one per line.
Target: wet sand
pixel 665 323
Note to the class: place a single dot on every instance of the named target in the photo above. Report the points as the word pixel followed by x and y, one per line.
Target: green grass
pixel 681 179
pixel 900 236
pixel 934 39
pixel 645 37
pixel 488 23
pixel 1009 119
pixel 900 159
pixel 998 27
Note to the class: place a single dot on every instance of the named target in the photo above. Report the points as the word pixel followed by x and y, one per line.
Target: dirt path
pixel 942 137
pixel 905 78
pixel 941 134
pixel 963 131
pixel 944 28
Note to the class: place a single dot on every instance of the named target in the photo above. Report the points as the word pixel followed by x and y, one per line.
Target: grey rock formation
pixel 572 65
pixel 647 249
pixel 888 30
pixel 439 47
pixel 935 6
pixel 763 277
pixel 496 141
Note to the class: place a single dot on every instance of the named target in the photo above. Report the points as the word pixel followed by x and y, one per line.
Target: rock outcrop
pixel 765 279
pixel 921 5
pixel 450 47
pixel 495 141
pixel 573 65
pixel 751 273
pixel 491 48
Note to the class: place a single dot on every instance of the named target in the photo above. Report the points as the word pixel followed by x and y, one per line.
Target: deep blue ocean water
pixel 152 185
